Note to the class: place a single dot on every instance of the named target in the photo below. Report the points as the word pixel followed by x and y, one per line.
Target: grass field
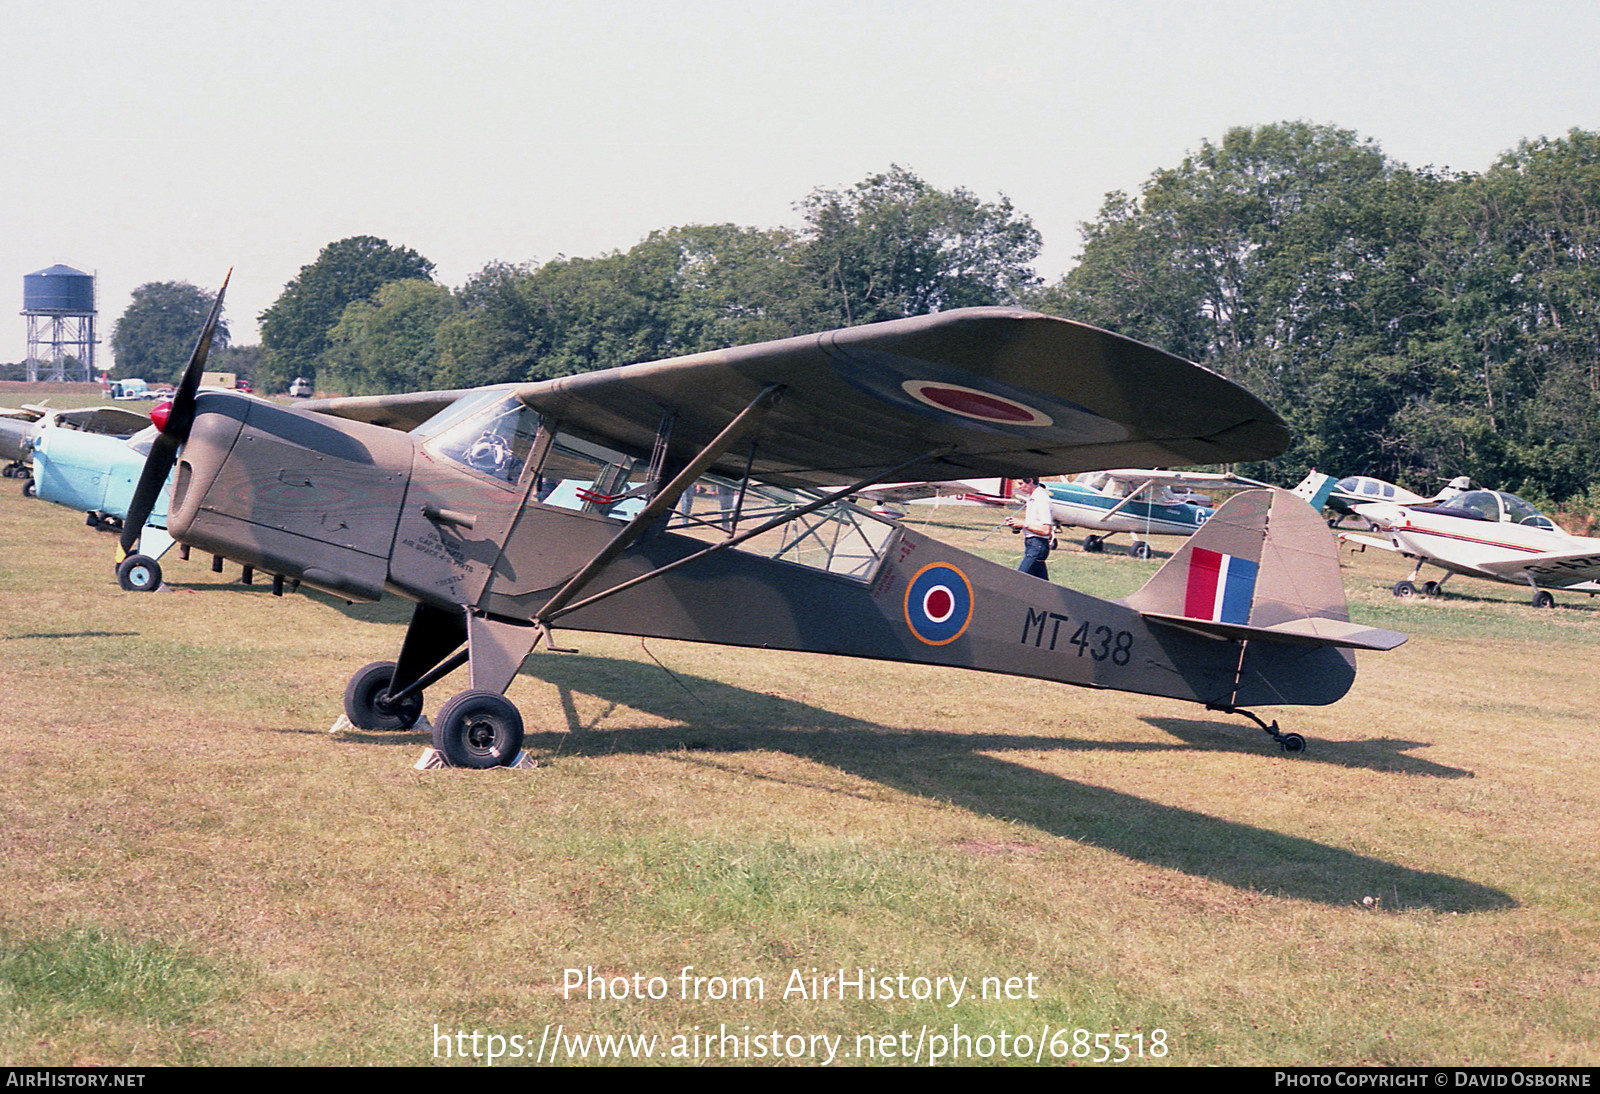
pixel 195 871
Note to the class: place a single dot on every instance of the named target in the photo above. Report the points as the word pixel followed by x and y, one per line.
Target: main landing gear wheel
pixel 1542 599
pixel 1093 544
pixel 1432 588
pixel 367 705
pixel 1140 549
pixel 139 574
pixel 478 729
pixel 1404 590
pixel 29 490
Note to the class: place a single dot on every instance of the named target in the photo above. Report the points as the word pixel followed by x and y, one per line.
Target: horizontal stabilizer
pixel 1309 631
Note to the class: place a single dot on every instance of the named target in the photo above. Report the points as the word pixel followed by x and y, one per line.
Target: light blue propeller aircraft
pixel 96 474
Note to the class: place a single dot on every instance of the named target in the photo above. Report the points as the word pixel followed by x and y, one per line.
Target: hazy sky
pixel 164 141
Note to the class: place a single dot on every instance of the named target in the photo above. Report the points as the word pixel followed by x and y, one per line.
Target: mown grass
pixel 1417 888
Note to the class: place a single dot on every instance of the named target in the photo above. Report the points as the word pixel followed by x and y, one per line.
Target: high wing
pixel 973 393
pixel 1554 568
pixel 1140 477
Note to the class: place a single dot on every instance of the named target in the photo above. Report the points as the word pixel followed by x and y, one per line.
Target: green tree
pixel 892 246
pixel 1284 257
pixel 157 331
pixel 390 342
pixel 295 329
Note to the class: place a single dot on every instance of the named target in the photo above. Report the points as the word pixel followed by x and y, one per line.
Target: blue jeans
pixel 1035 549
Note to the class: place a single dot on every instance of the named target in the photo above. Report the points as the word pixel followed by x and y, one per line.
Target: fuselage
pixel 1477 529
pixel 91 472
pixel 1081 505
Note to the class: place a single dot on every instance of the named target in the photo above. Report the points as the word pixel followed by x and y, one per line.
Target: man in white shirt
pixel 1038 529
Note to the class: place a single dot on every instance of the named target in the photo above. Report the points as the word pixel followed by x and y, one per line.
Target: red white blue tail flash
pixel 1220 587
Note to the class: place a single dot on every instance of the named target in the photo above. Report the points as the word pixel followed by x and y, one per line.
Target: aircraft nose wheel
pixel 1292 742
pixel 139 574
pixel 367 705
pixel 478 729
pixel 1140 550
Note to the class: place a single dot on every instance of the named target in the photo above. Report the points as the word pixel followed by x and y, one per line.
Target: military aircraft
pixel 20 427
pixel 1143 502
pixel 509 511
pixel 1482 533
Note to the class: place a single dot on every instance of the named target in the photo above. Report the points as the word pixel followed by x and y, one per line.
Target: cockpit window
pixel 1482 504
pixel 493 443
pixel 591 478
pixel 142 441
pixel 1520 512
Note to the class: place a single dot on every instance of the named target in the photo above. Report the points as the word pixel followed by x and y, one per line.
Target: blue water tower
pixel 58 303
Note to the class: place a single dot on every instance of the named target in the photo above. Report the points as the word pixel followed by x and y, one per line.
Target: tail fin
pixel 1315 488
pixel 1263 568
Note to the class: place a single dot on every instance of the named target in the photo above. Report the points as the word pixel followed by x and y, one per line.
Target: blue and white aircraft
pixel 1137 501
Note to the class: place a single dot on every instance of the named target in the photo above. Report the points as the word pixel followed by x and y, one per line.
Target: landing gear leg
pixel 1289 742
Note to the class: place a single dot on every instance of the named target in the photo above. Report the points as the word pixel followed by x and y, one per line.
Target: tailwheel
pixel 478 729
pixel 367 703
pixel 1291 743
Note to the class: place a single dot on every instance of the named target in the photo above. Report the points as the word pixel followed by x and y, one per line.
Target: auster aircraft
pixel 1143 502
pixel 507 511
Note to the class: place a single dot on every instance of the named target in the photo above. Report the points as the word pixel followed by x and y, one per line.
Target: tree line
pixel 1410 323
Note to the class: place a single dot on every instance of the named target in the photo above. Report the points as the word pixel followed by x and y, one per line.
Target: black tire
pixel 139 574
pixel 29 490
pixel 1543 599
pixel 478 729
pixel 1292 742
pixel 1140 549
pixel 1093 545
pixel 1404 590
pixel 1432 588
pixel 363 705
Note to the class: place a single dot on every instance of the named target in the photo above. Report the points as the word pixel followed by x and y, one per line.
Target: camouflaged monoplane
pixel 706 498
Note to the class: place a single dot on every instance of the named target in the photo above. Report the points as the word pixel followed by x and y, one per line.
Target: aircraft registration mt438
pixel 506 512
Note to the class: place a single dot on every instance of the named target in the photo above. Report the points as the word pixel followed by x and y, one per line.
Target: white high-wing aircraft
pixel 1141 501
pixel 1483 533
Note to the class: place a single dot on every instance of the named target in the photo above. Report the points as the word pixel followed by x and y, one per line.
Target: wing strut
pixel 548 614
pixel 665 499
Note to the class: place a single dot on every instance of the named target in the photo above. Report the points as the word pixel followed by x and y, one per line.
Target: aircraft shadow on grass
pixel 956 767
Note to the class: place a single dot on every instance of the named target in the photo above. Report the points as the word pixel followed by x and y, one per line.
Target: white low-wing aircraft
pixel 1483 533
